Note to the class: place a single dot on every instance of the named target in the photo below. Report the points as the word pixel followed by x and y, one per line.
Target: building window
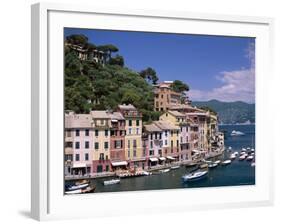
pixel 134 143
pixel 129 144
pixel 160 135
pixel 106 157
pixel 137 131
pixel 77 157
pixel 138 122
pixel 155 135
pixel 166 142
pixel 118 144
pixel 106 132
pixel 77 145
pixel 96 145
pixel 129 153
pixel 86 156
pixel 177 143
pixel 68 133
pixel 96 133
pixel 101 156
pixel 166 133
pixel 77 132
pixel 105 145
pixel 87 132
pixel 181 139
pixel 130 122
pixel 87 145
pixel 172 144
pixel 130 131
pixel 107 168
pixel 135 153
pixel 102 122
pixel 143 153
pixel 151 152
pixel 68 145
pixel 151 144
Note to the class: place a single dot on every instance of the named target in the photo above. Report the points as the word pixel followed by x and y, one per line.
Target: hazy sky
pixel 215 67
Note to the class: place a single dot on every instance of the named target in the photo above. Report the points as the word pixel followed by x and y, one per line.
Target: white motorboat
pixel 229 147
pixel 242 157
pixel 249 158
pixel 243 150
pixel 175 167
pixel 253 164
pixel 164 171
pixel 248 148
pixel 217 162
pixel 77 187
pixel 236 133
pixel 212 165
pixel 145 173
pixel 252 150
pixel 252 154
pixel 195 175
pixel 110 182
pixel 236 153
pixel 232 156
pixel 226 162
pixel 82 191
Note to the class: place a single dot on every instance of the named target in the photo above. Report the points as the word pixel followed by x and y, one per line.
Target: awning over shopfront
pixel 79 165
pixel 162 158
pixel 153 159
pixel 170 157
pixel 121 163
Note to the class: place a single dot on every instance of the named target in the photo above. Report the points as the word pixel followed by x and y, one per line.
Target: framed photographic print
pixel 164 108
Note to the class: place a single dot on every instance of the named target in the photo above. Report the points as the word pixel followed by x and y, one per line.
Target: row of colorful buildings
pixel 105 141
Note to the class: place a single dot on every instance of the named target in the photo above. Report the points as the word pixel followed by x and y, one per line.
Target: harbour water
pixel 235 174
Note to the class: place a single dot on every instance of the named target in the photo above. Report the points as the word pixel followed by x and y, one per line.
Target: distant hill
pixel 230 112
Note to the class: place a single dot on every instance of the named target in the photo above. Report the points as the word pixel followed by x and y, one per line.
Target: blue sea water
pixel 235 174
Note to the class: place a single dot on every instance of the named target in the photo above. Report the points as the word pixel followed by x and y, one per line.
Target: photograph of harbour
pixel 153 111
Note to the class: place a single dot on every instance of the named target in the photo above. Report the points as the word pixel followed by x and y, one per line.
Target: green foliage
pixel 117 60
pixel 179 86
pixel 150 75
pixel 77 39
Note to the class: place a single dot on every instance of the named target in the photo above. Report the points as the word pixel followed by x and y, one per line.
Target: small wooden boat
pixel 175 167
pixel 111 182
pixel 194 176
pixel 226 162
pixel 204 165
pixel 212 165
pixel 164 171
pixel 82 191
pixel 191 164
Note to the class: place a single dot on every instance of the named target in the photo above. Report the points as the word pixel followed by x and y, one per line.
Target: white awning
pixel 79 165
pixel 153 159
pixel 170 157
pixel 121 163
pixel 114 120
pixel 162 158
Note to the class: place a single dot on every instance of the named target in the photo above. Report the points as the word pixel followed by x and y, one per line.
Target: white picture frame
pixel 48 201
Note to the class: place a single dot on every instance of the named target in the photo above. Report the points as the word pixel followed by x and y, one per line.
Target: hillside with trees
pixel 230 112
pixel 93 86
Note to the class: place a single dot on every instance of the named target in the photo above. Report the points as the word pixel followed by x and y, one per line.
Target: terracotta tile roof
pixel 166 125
pixel 100 114
pixel 78 121
pixel 152 128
